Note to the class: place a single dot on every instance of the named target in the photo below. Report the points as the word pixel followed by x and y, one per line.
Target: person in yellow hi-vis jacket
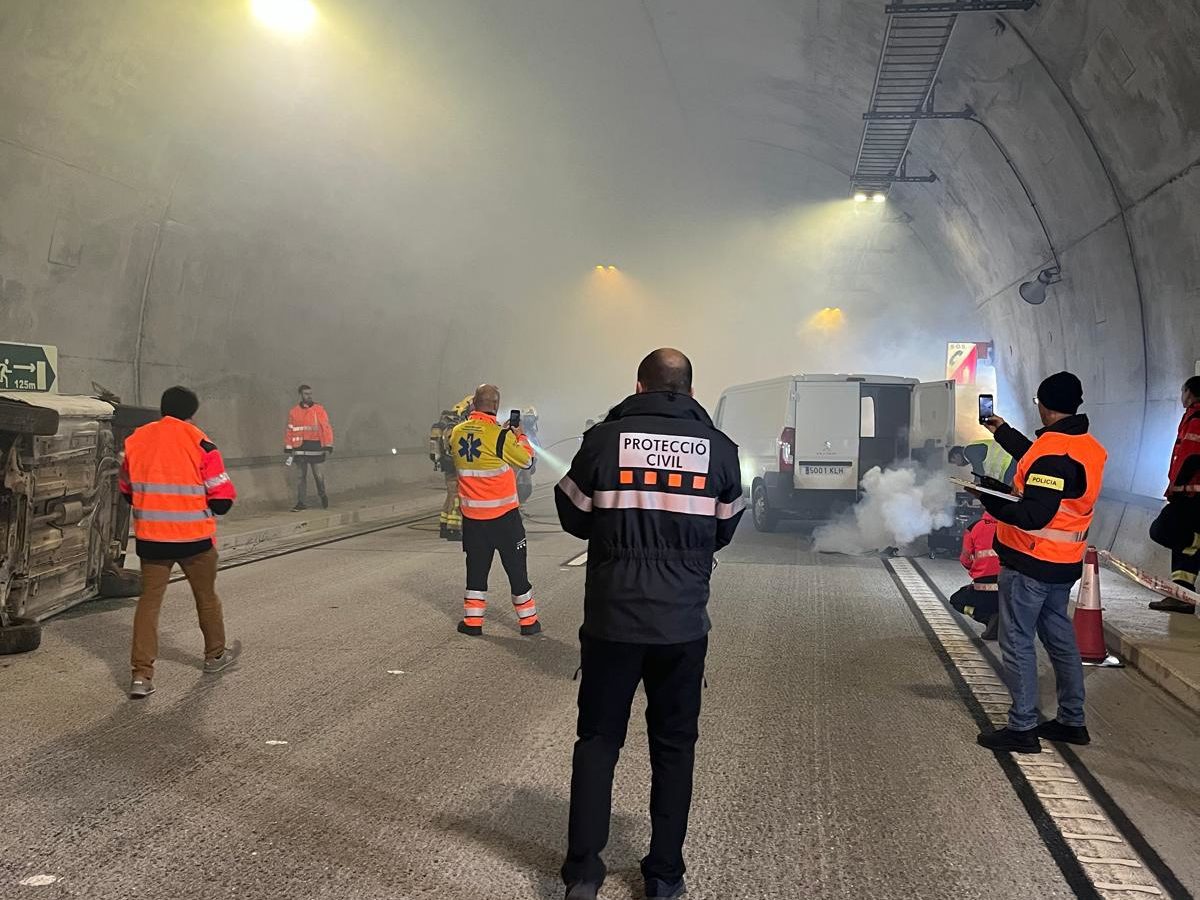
pixel 485 455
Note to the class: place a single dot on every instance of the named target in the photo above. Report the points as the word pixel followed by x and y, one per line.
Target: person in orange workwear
pixel 485 455
pixel 306 441
pixel 175 479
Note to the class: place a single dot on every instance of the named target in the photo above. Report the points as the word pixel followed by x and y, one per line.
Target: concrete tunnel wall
pixel 149 227
pixel 1097 103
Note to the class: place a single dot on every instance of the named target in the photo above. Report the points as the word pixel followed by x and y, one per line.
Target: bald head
pixel 487 398
pixel 665 370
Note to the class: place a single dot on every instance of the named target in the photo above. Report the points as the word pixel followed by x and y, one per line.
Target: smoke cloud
pixel 898 506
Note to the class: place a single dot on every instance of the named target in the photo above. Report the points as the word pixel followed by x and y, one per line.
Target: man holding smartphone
pixel 485 455
pixel 1041 538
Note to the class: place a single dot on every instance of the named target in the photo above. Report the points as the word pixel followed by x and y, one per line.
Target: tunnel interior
pixel 408 199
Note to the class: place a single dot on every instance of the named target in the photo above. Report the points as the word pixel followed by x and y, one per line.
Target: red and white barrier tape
pixel 1154 582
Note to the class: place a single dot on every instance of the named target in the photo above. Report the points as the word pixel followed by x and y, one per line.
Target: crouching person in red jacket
pixel 981 598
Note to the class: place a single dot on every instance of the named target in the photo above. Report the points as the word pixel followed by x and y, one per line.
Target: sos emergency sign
pixel 664 451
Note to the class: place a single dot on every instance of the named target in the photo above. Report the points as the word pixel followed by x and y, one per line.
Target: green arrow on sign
pixel 28 367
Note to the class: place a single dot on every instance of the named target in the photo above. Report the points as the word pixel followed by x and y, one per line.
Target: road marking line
pixel 981 680
pixel 580 560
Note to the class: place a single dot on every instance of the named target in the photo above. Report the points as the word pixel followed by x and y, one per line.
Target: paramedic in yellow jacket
pixel 485 455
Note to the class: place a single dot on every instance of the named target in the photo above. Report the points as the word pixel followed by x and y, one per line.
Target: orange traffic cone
pixel 1089 616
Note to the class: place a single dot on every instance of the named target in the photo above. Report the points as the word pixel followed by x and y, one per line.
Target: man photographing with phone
pixel 1041 538
pixel 485 454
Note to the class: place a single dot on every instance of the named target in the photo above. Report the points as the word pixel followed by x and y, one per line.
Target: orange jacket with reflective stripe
pixel 307 423
pixel 171 471
pixel 1064 539
pixel 485 456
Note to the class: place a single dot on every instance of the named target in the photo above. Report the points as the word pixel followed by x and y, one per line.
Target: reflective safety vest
pixel 485 456
pixel 171 470
pixel 997 460
pixel 1064 539
pixel 1187 445
pixel 308 423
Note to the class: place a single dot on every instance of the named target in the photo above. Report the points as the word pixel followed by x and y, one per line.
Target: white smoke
pixel 898 506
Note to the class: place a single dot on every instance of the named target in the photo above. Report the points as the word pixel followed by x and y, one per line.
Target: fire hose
pixel 1147 579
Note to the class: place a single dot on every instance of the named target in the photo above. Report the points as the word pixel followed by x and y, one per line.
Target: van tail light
pixel 787 450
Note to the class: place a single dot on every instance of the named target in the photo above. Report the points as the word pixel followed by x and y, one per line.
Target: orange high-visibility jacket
pixel 308 423
pixel 1064 539
pixel 484 456
pixel 171 470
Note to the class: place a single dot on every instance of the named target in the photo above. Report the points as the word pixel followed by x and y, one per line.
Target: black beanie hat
pixel 1062 393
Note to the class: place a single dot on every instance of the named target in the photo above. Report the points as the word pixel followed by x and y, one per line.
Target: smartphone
pixel 987 408
pixel 514 418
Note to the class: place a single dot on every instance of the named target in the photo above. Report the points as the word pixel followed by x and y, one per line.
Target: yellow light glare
pixel 827 319
pixel 612 268
pixel 860 197
pixel 880 198
pixel 599 268
pixel 289 16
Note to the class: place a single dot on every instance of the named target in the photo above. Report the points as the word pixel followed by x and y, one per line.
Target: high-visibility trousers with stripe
pixel 482 539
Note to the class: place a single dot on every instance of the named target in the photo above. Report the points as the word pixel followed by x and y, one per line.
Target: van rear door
pixel 827 428
pixel 932 417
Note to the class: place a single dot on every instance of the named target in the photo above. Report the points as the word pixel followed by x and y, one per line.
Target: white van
pixel 805 441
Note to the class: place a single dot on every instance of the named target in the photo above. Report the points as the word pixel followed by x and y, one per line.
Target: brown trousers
pixel 201 573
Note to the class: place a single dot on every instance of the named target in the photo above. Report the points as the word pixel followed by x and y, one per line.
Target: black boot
pixel 1007 740
pixel 1056 731
pixel 1170 604
pixel 472 630
pixel 324 502
pixel 992 631
pixel 535 628
pixel 657 889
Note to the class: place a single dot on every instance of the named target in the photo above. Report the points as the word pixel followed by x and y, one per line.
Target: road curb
pixel 1137 655
pixel 313 522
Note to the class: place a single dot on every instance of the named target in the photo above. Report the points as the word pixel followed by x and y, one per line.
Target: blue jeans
pixel 1029 607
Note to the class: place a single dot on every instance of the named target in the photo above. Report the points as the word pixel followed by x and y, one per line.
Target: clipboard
pixel 975 488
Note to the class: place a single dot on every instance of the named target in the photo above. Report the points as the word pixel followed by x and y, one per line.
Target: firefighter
pixel 529 425
pixel 986 459
pixel 175 479
pixel 980 599
pixel 1041 538
pixel 1178 525
pixel 656 490
pixel 450 520
pixel 485 454
pixel 306 441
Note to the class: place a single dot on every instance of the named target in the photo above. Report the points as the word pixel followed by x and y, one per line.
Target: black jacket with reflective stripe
pixel 655 490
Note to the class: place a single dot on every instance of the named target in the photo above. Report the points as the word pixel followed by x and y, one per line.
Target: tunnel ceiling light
pixel 293 17
pixel 1034 292
pixel 860 197
pixel 879 197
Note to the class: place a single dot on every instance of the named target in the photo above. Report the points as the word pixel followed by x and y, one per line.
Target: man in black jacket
pixel 656 490
pixel 1041 539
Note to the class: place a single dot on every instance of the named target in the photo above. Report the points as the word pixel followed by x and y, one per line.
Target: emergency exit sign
pixel 28 367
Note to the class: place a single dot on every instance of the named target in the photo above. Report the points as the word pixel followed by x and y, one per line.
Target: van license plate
pixel 825 470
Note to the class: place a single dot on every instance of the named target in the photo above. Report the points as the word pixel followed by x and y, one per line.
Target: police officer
pixel 1041 538
pixel 656 490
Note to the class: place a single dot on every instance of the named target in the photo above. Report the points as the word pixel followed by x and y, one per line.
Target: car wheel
pixel 22 636
pixel 765 518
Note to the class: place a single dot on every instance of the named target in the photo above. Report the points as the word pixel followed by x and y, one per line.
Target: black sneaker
pixel 1056 731
pixel 583 891
pixel 535 628
pixel 299 507
pixel 992 631
pixel 657 889
pixel 1007 740
pixel 472 630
